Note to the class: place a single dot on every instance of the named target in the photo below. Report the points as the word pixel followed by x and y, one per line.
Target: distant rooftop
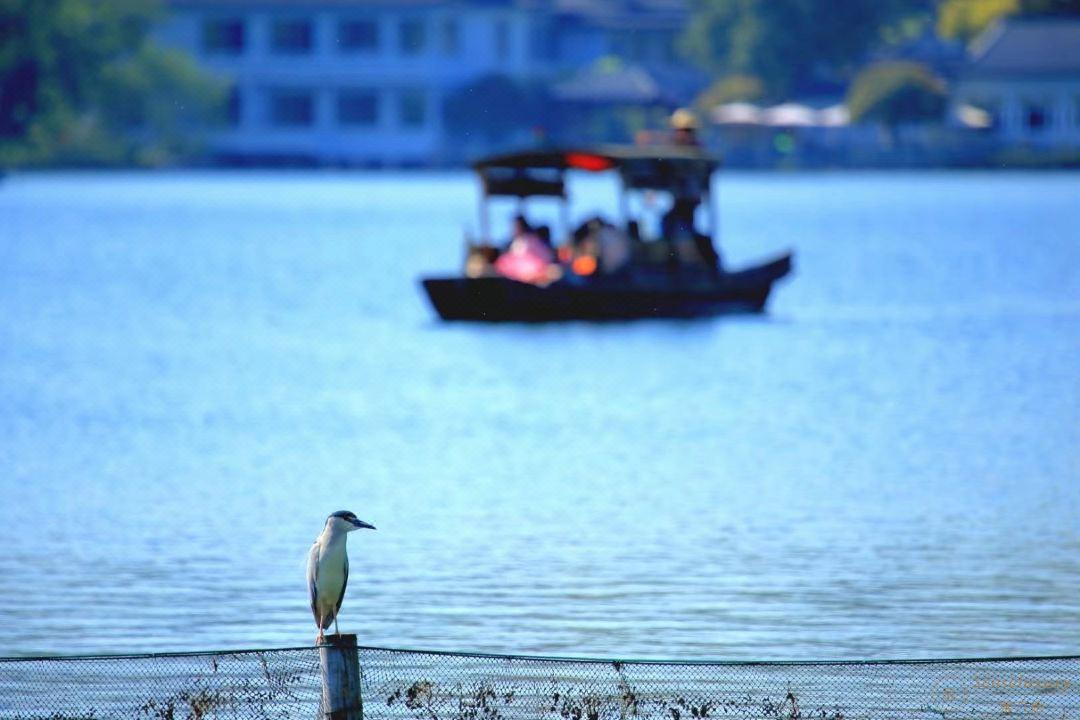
pixel 1028 46
pixel 629 85
pixel 622 14
pixel 309 4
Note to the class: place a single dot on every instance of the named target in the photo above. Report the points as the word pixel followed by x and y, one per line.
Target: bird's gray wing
pixel 344 584
pixel 312 576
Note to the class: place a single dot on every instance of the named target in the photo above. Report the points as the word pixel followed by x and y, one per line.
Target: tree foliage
pixel 894 93
pixel 964 19
pixel 81 82
pixel 789 43
pixel 732 88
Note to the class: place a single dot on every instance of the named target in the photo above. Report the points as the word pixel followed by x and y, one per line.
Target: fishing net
pixel 416 685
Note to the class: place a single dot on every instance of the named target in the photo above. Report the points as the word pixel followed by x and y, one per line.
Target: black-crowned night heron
pixel 328 569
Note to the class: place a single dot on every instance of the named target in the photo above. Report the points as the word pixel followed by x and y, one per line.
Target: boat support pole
pixel 714 220
pixel 624 206
pixel 564 217
pixel 485 220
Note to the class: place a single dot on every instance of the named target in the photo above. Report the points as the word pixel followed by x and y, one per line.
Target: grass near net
pixel 406 684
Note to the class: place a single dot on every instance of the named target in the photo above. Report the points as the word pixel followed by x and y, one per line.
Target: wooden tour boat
pixel 601 270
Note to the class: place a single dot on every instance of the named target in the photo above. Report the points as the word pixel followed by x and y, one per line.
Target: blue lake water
pixel 196 368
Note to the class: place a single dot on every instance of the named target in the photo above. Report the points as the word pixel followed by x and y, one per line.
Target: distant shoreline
pixel 441 169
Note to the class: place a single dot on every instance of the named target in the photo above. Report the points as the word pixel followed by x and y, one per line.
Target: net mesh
pixel 414 685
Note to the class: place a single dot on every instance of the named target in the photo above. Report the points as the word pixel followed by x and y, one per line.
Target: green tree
pixel 81 82
pixel 789 43
pixel 894 93
pixel 964 19
pixel 732 88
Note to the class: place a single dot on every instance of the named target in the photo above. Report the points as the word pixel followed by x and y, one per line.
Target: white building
pixel 1025 75
pixel 364 81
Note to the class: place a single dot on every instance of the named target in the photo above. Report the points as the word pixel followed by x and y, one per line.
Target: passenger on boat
pixel 678 228
pixel 519 226
pixel 677 224
pixel 480 260
pixel 684 125
pixel 543 232
pixel 598 247
pixel 527 258
pixel 615 249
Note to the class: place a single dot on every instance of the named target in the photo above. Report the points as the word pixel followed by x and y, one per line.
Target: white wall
pixel 326 70
pixel 1061 97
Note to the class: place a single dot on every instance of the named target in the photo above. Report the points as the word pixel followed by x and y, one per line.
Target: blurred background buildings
pixel 428 83
pixel 1022 83
pixel 422 82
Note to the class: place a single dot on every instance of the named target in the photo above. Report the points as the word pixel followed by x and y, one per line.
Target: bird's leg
pixel 320 639
pixel 336 631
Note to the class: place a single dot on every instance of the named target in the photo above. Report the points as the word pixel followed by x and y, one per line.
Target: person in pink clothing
pixel 527 258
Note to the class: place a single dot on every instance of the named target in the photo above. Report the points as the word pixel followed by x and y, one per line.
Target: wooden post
pixel 340 665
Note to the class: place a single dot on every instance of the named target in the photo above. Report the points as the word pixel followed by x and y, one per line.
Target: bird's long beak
pixel 361 524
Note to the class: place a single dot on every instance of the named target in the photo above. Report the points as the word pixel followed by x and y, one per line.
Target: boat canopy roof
pixel 540 172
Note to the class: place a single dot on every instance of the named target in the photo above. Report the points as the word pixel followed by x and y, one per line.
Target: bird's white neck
pixel 332 535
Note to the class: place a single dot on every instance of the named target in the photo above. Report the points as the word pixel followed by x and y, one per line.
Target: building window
pixel 502 39
pixel 234 108
pixel 223 36
pixel 292 37
pixel 292 108
pixel 671 48
pixel 412 109
pixel 358 35
pixel 620 44
pixel 358 107
pixel 1036 117
pixel 412 37
pixel 451 37
pixel 544 43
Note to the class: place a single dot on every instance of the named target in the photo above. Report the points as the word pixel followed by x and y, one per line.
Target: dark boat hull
pixel 496 299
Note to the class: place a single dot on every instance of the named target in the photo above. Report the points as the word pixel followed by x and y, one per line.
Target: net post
pixel 339 662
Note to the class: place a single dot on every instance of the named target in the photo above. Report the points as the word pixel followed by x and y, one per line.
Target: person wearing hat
pixel 678 222
pixel 684 126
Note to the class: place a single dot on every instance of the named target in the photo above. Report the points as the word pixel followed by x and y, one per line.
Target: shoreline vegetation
pixel 84 84
pixel 1034 164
